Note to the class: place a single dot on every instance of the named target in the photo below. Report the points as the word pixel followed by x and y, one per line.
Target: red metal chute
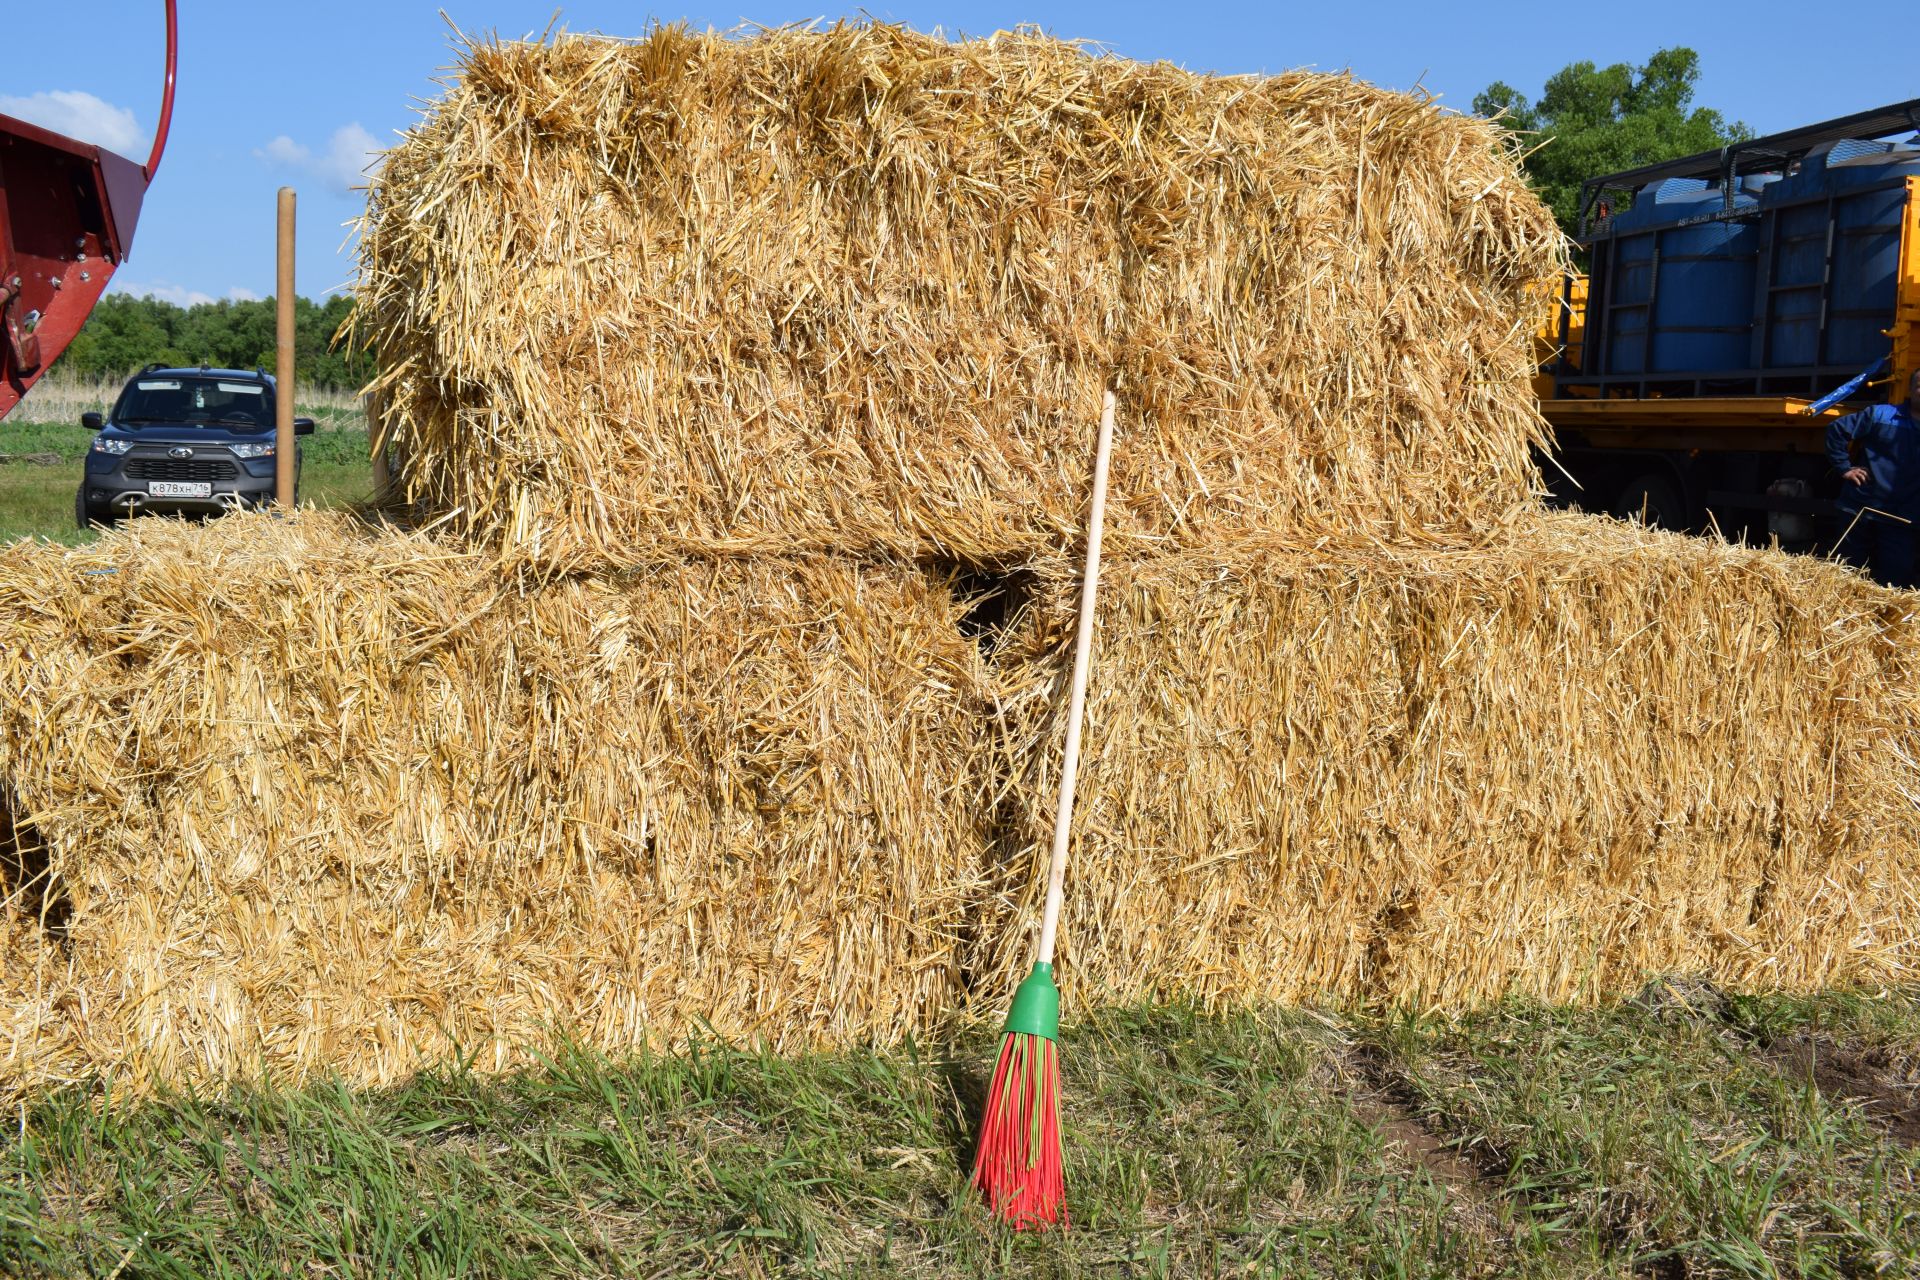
pixel 67 213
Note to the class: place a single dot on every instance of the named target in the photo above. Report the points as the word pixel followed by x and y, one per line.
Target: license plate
pixel 179 489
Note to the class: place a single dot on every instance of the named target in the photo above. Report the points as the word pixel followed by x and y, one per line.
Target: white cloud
pixel 351 156
pixel 178 294
pixel 83 116
pixel 284 150
pixel 164 290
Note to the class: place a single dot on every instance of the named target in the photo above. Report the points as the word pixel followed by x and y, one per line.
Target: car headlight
pixel 258 450
pixel 101 444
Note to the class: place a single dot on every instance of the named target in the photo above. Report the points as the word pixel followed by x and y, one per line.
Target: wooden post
pixel 382 474
pixel 283 438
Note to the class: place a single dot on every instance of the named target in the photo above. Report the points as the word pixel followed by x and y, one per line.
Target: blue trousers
pixel 1885 549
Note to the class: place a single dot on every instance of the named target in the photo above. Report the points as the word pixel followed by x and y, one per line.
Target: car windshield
pixel 203 402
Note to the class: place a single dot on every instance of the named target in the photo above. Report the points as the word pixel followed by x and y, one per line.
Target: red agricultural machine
pixel 67 213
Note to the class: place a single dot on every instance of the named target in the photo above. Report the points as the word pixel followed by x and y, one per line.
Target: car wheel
pixel 81 516
pixel 1653 500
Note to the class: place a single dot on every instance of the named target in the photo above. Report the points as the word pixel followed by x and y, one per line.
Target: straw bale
pixel 859 289
pixel 317 797
pixel 312 796
pixel 1550 768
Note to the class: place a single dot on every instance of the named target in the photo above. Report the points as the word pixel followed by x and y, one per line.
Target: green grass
pixel 1678 1132
pixel 68 441
pixel 37 501
pixel 1642 1140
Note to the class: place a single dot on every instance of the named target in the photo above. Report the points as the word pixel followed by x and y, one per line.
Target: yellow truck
pixel 1736 302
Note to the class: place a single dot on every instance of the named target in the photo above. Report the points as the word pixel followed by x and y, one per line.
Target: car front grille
pixel 180 469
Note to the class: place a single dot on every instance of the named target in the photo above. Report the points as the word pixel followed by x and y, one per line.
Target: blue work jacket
pixel 1888 436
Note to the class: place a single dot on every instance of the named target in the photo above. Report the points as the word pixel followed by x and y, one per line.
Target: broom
pixel 1018 1165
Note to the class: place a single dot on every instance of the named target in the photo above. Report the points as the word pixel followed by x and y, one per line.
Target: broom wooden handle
pixel 1082 650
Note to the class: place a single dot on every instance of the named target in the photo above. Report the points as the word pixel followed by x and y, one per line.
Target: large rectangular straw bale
pixel 316 798
pixel 861 289
pixel 1551 768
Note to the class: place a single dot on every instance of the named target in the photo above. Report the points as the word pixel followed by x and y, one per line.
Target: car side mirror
pixel 303 426
pixel 91 421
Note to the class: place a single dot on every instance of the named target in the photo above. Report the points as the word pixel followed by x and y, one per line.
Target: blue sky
pixel 297 93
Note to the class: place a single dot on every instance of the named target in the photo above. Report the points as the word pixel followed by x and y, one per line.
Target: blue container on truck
pixel 1767 268
pixel 1831 252
pixel 1681 282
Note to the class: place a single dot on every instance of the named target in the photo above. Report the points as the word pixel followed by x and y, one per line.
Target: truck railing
pixel 1756 155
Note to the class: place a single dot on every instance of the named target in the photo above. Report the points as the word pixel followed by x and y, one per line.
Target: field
pixel 1681 1134
pixel 36 492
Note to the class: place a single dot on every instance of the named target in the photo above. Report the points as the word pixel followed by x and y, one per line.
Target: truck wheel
pixel 80 516
pixel 1653 500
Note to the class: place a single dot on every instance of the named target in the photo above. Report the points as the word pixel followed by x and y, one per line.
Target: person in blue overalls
pixel 1880 489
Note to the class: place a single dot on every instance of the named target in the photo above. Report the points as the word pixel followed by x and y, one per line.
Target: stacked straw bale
pixel 756 335
pixel 1554 767
pixel 854 290
pixel 319 798
pixel 315 798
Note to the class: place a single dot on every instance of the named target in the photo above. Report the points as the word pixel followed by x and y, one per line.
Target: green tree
pixel 124 333
pixel 1598 120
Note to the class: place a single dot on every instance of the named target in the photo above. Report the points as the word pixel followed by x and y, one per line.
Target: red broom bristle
pixel 1018 1166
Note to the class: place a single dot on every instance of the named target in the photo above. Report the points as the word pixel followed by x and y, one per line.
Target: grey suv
pixel 184 442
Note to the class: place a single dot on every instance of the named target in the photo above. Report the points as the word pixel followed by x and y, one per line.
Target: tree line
pixel 125 333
